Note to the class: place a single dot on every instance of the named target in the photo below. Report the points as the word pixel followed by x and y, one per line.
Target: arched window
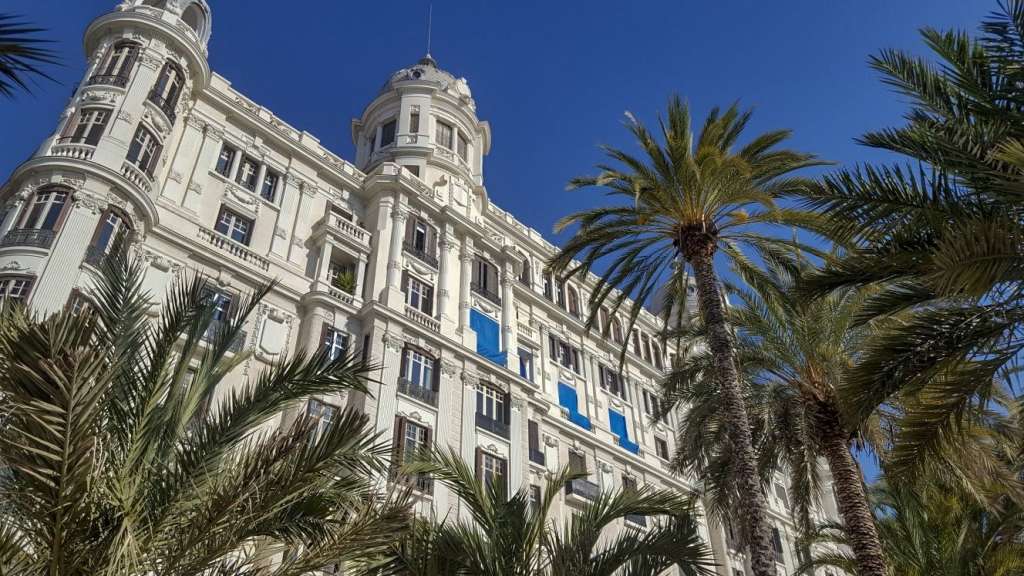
pixel 144 150
pixel 46 209
pixel 616 330
pixel 656 353
pixel 117 68
pixel 526 274
pixel 112 232
pixel 195 18
pixel 573 299
pixel 167 90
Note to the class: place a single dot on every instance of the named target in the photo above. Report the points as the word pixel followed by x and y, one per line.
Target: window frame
pixel 141 147
pixel 24 283
pixel 419 294
pixel 389 133
pixel 426 374
pixel 231 227
pixel 440 126
pixel 230 160
pixel 492 402
pixel 46 218
pixel 86 130
pixel 335 341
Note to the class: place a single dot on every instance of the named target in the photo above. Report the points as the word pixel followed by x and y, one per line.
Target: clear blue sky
pixel 553 78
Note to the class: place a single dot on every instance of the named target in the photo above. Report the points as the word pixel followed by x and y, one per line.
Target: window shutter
pixel 405 282
pixel 476 271
pixel 508 408
pixel 396 444
pixel 492 278
pixel 428 306
pixel 428 436
pixel 436 375
pixel 405 363
pixel 410 227
pixel 432 241
pixel 479 464
pixel 325 334
pixel 534 435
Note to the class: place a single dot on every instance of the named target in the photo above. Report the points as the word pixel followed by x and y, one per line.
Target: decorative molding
pixel 449 368
pixel 280 232
pixel 195 187
pixel 175 176
pixel 125 115
pixel 550 440
pixel 13 266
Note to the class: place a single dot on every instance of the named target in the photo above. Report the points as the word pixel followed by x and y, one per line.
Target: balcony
pixel 537 456
pixel 421 255
pixel 637 520
pixel 421 483
pixel 29 237
pixel 422 319
pixel 491 425
pixel 107 80
pixel 233 248
pixel 340 226
pixel 73 147
pixel 137 176
pixel 421 393
pixel 485 292
pixel 165 105
pixel 582 488
pixel 213 331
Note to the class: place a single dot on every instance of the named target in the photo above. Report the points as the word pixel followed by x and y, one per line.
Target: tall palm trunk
pixel 762 559
pixel 852 501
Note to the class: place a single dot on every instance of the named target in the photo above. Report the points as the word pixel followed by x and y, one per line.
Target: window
pixel 661 448
pixel 234 226
pixel 111 233
pixel 119 65
pixel 535 498
pixel 144 150
pixel 573 301
pixel 652 405
pixel 636 342
pixel 411 441
pixel 334 341
pixel 565 354
pixel 656 353
pixel 629 484
pixel 780 493
pixel 224 161
pixel 548 289
pixel 526 364
pixel 419 295
pixel 268 191
pixel 491 469
pixel 616 330
pixel 90 126
pixel 463 147
pixel 15 288
pixel 577 462
pixel 414 123
pixel 485 279
pixel 418 368
pixel 421 240
pixel 612 381
pixel 777 546
pixel 387 133
pixel 443 134
pixel 492 403
pixel 412 169
pixel 323 414
pixel 167 90
pixel 526 273
pixel 247 173
pixel 533 433
pixel 46 209
pixel 647 348
pixel 222 303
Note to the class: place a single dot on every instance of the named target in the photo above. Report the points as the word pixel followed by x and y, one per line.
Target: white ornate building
pixel 400 252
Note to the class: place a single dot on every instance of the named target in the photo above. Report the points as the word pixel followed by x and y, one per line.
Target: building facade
pixel 400 252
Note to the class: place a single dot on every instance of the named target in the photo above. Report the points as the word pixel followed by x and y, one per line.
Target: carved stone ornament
pixel 75 181
pixel 91 202
pixel 280 232
pixel 449 368
pixel 175 175
pixel 151 61
pixel 13 266
pixel 100 96
pixel 550 441
pixel 518 403
pixel 393 342
pixel 606 467
pixel 470 379
pixel 196 187
pixel 124 115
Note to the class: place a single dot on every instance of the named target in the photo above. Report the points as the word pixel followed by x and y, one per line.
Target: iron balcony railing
pixel 29 237
pixel 165 106
pixel 422 255
pixel 417 391
pixel 486 292
pixel 583 488
pixel 108 80
pixel 491 425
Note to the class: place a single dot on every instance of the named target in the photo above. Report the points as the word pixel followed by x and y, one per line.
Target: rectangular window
pixel 144 150
pixel 419 236
pixel 419 295
pixel 419 368
pixel 416 441
pixel 565 354
pixel 91 123
pixel 777 546
pixel 224 161
pixel 387 133
pixel 661 448
pixel 652 404
pixel 628 484
pixel 780 493
pixel 247 173
pixel 14 288
pixel 526 364
pixel 334 341
pixel 111 232
pixel 492 403
pixel 322 413
pixel 222 302
pixel 421 240
pixel 46 210
pixel 533 432
pixel 636 342
pixel 492 469
pixel 443 135
pixel 612 381
pixel 234 226
pixel 414 123
pixel 268 190
pixel 463 147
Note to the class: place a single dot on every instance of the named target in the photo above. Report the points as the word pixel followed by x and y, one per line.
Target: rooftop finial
pixel 430 21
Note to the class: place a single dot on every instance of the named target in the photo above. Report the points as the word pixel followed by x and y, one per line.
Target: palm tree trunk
pixel 753 509
pixel 853 504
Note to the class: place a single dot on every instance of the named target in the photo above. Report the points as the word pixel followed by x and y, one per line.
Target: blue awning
pixel 488 337
pixel 567 399
pixel 617 423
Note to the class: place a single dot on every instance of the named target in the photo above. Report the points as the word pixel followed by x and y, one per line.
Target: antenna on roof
pixel 430 21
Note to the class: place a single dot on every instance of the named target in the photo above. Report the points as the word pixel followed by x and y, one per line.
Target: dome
pixel 427 71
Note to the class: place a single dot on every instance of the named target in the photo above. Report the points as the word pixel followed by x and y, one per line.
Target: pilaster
pixel 63 267
pixel 192 198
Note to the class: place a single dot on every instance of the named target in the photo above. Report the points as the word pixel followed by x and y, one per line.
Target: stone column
pixel 399 215
pixel 236 161
pixel 447 432
pixel 468 444
pixel 61 270
pixel 14 209
pixel 192 198
pixel 322 282
pixel 465 277
pixel 360 275
pixel 541 369
pixel 261 173
pixel 518 436
pixel 447 245
pixel 509 329
pixel 387 389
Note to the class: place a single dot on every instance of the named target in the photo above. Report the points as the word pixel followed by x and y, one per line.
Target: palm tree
pixel 939 247
pixel 935 532
pixel 118 460
pixel 793 353
pixel 687 200
pixel 512 536
pixel 21 55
